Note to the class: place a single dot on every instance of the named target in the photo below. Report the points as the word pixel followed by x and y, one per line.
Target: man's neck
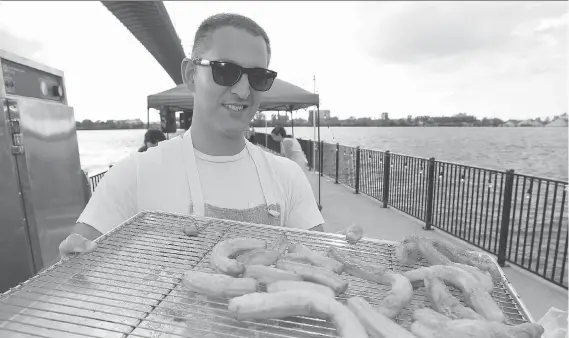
pixel 213 143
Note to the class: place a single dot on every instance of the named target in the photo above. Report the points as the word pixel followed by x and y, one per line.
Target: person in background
pixel 211 170
pixel 151 139
pixel 290 147
pixel 250 134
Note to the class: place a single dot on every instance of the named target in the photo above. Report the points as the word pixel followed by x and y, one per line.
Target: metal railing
pixel 519 218
pixel 95 179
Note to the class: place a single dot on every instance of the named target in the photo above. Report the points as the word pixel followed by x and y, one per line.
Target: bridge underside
pixel 150 23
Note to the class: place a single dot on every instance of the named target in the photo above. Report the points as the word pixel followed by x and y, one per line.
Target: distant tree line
pixel 113 124
pixel 457 120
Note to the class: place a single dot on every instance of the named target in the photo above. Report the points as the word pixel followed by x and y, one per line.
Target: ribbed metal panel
pixel 150 23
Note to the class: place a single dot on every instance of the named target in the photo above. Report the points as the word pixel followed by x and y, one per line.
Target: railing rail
pixel 519 218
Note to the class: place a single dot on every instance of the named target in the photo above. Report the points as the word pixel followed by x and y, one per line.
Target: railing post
pixel 337 160
pixel 430 193
pixel 505 225
pixel 321 153
pixel 87 190
pixel 386 171
pixel 312 157
pixel 357 185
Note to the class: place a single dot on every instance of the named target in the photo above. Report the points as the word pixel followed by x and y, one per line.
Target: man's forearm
pixel 86 231
pixel 319 227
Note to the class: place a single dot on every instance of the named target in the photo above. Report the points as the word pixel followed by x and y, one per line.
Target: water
pixel 532 151
pixel 100 148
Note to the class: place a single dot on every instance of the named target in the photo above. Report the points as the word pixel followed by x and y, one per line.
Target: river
pixel 533 151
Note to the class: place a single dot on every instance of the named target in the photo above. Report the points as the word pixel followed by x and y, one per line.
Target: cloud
pixel 417 32
pixel 25 47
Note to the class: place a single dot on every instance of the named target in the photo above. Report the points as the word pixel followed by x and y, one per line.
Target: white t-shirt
pixel 291 149
pixel 227 182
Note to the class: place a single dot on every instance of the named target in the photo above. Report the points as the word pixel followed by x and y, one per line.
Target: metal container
pixel 41 190
pixel 130 286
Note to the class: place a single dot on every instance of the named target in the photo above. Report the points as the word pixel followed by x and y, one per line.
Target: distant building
pixel 351 121
pixel 530 123
pixel 324 115
pixel 282 118
pixel 510 123
pixel 133 122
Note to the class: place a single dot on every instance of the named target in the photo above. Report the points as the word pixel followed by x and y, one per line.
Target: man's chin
pixel 233 131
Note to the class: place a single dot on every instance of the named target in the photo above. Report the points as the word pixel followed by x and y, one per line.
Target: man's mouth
pixel 235 107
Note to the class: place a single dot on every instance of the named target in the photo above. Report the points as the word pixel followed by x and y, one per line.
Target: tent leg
pixel 147 118
pixel 320 158
pixel 292 123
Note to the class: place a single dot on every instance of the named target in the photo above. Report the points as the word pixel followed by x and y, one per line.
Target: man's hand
pixel 80 240
pixel 353 233
pixel 75 243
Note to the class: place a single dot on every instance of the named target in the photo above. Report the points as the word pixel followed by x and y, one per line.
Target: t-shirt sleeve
pixel 114 199
pixel 303 213
pixel 287 147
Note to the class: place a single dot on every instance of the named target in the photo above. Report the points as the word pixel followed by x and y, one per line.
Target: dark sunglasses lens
pixel 261 80
pixel 226 74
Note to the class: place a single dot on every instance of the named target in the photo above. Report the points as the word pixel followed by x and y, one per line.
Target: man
pixel 211 170
pixel 151 139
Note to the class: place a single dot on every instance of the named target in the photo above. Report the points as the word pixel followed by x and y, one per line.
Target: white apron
pixel 170 182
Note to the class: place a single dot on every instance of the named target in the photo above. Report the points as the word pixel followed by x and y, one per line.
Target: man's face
pixel 213 102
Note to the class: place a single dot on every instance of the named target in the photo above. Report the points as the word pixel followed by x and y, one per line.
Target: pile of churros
pixel 302 282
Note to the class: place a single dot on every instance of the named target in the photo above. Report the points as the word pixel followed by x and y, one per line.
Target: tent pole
pixel 266 132
pixel 147 118
pixel 314 128
pixel 320 159
pixel 314 140
pixel 292 123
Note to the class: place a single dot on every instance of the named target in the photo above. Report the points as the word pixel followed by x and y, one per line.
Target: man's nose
pixel 242 88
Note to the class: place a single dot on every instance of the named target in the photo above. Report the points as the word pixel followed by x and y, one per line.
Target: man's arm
pixel 113 201
pixel 86 231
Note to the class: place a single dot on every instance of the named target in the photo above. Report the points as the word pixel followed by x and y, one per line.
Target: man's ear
pixel 188 73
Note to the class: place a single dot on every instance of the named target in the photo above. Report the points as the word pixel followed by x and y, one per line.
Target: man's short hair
pixel 154 136
pixel 279 131
pixel 214 22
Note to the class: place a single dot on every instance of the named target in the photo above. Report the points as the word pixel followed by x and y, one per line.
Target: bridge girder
pixel 150 23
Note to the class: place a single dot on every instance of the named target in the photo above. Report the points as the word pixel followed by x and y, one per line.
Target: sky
pixel 489 59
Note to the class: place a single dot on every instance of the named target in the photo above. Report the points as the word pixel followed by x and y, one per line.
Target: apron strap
pixel 192 174
pixel 264 172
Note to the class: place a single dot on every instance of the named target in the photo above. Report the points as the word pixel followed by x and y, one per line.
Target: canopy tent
pixel 282 96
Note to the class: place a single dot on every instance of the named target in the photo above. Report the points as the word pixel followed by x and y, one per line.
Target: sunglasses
pixel 227 74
